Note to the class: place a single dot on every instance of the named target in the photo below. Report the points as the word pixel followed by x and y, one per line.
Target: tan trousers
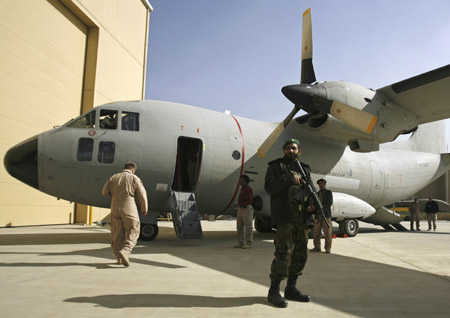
pixel 431 217
pixel 244 225
pixel 124 233
pixel 328 233
pixel 414 218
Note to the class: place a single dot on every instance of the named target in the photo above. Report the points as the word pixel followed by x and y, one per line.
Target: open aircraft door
pixel 183 205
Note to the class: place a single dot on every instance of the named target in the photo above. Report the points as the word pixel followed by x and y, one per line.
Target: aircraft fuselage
pixel 183 148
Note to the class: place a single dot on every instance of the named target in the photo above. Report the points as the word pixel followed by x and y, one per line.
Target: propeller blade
pixel 308 76
pixel 276 133
pixel 353 117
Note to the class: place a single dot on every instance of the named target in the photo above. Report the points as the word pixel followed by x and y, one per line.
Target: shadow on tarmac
pixel 167 300
pixel 55 238
pixel 346 284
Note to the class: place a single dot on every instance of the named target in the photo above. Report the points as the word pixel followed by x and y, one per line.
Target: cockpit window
pixel 106 150
pixel 85 147
pixel 108 119
pixel 87 121
pixel 130 121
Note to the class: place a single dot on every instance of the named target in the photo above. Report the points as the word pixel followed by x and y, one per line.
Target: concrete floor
pixel 69 271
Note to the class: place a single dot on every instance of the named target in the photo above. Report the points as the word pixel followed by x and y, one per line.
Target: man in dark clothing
pixel 288 215
pixel 431 208
pixel 326 197
pixel 244 221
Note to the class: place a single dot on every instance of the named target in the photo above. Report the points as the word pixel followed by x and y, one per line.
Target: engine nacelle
pixel 346 206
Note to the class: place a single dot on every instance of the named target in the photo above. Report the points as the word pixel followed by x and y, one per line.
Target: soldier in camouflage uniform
pixel 283 180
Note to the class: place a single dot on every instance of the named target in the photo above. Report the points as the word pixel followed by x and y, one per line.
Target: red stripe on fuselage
pixel 242 165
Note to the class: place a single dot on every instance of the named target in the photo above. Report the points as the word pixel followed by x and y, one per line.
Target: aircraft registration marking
pixel 423 163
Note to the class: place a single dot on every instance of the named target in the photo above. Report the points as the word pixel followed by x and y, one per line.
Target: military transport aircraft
pixel 190 159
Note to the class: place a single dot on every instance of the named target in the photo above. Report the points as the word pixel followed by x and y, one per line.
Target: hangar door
pixel 42 58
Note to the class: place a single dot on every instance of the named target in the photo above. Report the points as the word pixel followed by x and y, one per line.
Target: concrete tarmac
pixel 69 271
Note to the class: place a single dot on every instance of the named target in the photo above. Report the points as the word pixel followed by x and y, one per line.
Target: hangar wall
pixel 59 58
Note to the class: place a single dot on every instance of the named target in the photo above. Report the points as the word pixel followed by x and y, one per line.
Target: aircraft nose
pixel 21 162
pixel 300 95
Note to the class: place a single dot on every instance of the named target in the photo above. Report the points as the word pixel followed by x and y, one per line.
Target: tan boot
pixel 124 258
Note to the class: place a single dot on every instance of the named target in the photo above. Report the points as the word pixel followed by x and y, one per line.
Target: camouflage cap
pixel 291 141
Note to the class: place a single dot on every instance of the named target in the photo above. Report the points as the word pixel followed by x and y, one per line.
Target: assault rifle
pixel 309 189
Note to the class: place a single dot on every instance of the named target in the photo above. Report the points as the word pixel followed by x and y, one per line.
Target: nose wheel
pixel 148 232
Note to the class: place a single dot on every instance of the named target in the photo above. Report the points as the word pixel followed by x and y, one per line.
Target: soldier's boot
pixel 292 293
pixel 274 297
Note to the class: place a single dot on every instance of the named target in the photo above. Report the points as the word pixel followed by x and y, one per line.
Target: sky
pixel 236 55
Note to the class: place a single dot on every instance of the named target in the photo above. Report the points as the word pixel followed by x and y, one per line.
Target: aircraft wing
pixel 426 95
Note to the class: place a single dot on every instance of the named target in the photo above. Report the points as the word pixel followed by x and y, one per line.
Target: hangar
pixel 59 58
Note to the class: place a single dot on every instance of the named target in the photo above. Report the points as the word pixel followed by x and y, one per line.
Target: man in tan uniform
pixel 125 224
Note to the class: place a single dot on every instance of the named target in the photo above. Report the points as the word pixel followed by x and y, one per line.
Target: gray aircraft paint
pixel 378 178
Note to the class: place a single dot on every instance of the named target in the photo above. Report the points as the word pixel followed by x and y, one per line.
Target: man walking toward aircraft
pixel 431 208
pixel 244 222
pixel 326 197
pixel 414 210
pixel 125 224
pixel 288 215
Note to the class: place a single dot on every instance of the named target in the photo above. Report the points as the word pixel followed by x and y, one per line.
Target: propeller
pixel 274 135
pixel 310 97
pixel 312 102
pixel 307 77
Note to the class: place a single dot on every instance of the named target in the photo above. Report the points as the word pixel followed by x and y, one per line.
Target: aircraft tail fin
pixel 429 137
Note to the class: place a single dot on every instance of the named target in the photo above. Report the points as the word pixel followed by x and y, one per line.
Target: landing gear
pixel 349 227
pixel 263 224
pixel 387 227
pixel 148 232
pixel 399 227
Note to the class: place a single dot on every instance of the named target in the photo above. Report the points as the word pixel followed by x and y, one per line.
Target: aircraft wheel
pixel 148 232
pixel 349 227
pixel 262 225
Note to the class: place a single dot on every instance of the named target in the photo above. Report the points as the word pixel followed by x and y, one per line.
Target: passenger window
pixel 106 150
pixel 108 119
pixel 85 148
pixel 87 121
pixel 130 121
